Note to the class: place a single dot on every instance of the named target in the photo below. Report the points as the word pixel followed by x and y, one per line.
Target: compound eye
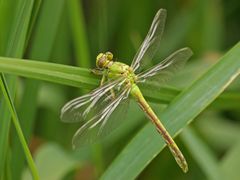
pixel 99 60
pixel 109 56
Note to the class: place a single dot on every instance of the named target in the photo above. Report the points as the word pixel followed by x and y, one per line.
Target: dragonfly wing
pixel 103 123
pixel 151 42
pixel 166 68
pixel 84 107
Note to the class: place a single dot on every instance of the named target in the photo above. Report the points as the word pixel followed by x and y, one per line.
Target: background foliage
pixel 73 32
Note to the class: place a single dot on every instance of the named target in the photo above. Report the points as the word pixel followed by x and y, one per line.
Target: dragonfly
pixel 121 81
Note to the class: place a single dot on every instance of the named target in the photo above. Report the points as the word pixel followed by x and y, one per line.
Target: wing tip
pixel 161 11
pixel 187 49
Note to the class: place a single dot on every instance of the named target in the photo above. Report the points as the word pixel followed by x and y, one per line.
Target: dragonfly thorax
pixel 115 69
pixel 118 69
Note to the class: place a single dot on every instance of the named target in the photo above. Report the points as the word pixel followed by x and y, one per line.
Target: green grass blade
pixel 204 157
pixel 13 112
pixel 4 132
pixel 14 33
pixel 81 77
pixel 183 109
pixel 69 75
pixel 18 34
pixel 30 94
pixel 79 35
pixel 35 11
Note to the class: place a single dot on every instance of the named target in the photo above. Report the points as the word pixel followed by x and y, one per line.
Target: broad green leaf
pixel 181 111
pixel 52 163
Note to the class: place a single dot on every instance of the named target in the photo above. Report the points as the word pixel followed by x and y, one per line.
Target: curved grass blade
pixel 183 109
pixel 13 112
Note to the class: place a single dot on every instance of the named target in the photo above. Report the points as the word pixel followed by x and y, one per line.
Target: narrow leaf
pixel 40 32
pixel 14 36
pixel 13 112
pixel 81 77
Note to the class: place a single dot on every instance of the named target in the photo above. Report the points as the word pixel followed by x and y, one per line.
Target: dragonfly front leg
pixel 104 78
pixel 112 94
pixel 102 73
pixel 97 71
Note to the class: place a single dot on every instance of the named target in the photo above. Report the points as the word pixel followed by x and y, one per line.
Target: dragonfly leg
pixel 97 72
pixel 112 94
pixel 103 79
pixel 100 73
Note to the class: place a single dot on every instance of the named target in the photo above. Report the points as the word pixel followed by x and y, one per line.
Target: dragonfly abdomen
pixel 135 91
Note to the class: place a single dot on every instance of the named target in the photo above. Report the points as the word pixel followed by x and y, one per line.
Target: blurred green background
pixel 73 32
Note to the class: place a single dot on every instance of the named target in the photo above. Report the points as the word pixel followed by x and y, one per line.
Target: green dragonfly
pixel 95 110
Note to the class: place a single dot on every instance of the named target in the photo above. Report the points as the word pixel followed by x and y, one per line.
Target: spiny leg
pixel 113 96
pixel 97 71
pixel 100 73
pixel 103 80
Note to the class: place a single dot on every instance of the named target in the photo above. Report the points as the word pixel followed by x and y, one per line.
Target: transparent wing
pixel 104 122
pixel 151 42
pixel 84 107
pixel 166 68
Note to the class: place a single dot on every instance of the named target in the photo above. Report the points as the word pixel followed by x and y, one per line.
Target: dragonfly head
pixel 103 59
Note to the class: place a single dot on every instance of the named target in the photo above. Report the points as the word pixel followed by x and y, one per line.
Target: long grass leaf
pixel 14 47
pixel 57 73
pixel 13 112
pixel 26 112
pixel 83 78
pixel 35 11
pixel 79 35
